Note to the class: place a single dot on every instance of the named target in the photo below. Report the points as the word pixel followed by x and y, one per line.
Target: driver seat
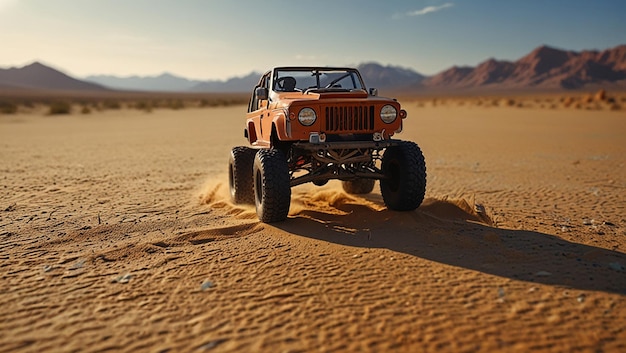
pixel 288 84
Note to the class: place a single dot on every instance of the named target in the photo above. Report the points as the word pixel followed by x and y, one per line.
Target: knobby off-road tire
pixel 272 191
pixel 404 187
pixel 358 186
pixel 240 174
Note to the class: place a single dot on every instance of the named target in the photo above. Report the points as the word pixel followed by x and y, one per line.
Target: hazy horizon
pixel 212 40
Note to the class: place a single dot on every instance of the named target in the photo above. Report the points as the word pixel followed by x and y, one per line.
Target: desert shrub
pixel 85 110
pixel 568 101
pixel 176 104
pixel 143 105
pixel 7 107
pixel 59 107
pixel 215 102
pixel 226 102
pixel 508 102
pixel 111 104
pixel 600 95
pixel 223 101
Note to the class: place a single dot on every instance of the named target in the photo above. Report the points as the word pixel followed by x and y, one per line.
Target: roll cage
pixel 316 79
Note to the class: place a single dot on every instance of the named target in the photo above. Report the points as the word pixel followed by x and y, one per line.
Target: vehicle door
pixel 258 111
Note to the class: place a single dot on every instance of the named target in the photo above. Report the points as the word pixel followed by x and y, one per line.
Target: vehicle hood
pixel 287 98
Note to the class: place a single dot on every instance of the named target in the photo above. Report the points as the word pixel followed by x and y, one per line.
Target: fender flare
pixel 281 128
pixel 250 132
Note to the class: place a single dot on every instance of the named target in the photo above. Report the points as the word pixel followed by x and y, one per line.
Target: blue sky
pixel 211 39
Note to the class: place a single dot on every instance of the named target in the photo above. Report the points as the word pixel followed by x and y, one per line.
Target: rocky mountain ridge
pixel 545 68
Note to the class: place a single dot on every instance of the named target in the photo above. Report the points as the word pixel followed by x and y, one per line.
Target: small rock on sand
pixel 123 279
pixel 207 285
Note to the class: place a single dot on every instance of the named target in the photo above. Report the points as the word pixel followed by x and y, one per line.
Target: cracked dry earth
pixel 117 234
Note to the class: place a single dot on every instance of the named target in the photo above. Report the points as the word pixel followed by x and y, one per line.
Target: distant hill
pixel 170 83
pixel 164 82
pixel 39 76
pixel 235 84
pixel 543 68
pixel 375 75
pixel 388 77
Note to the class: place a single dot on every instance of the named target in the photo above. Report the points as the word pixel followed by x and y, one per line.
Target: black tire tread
pixel 241 182
pixel 276 189
pixel 412 189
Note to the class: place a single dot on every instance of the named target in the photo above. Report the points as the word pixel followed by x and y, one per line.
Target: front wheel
pixel 272 191
pixel 404 185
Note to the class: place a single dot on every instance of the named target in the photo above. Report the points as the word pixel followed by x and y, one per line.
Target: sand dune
pixel 117 234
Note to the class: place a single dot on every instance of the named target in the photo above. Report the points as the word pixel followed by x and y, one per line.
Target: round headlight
pixel 388 114
pixel 307 116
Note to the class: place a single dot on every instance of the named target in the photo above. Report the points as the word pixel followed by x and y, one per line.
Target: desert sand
pixel 117 234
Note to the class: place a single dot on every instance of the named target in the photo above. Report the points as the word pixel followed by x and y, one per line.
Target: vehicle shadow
pixel 442 231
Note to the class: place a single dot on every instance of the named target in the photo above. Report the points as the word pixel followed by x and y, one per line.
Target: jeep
pixel 314 124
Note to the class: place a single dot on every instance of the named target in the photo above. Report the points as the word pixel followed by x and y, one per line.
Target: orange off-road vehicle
pixel 313 124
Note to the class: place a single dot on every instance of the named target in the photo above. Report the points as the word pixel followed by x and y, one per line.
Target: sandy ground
pixel 117 234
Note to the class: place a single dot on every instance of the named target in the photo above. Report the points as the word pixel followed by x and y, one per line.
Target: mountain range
pixel 374 74
pixel 545 68
pixel 42 77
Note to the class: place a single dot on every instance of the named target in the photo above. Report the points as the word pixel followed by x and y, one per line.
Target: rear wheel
pixel 272 191
pixel 404 185
pixel 358 186
pixel 240 174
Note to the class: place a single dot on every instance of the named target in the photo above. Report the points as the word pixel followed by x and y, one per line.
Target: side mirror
pixel 261 93
pixel 373 92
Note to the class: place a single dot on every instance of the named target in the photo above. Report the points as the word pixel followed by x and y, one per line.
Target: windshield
pixel 316 80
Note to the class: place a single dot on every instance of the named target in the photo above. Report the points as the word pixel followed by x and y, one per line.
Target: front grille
pixel 355 118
